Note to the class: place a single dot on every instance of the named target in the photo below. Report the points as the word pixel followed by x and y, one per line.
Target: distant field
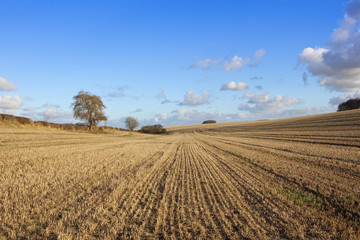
pixel 295 178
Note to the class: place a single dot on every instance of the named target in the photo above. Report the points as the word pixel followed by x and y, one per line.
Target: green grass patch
pixel 298 197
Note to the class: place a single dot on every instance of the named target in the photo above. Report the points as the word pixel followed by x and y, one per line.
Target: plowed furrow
pixel 280 148
pixel 141 206
pixel 285 162
pixel 252 199
pixel 341 210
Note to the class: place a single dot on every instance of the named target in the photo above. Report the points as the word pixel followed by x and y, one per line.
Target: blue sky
pixel 179 62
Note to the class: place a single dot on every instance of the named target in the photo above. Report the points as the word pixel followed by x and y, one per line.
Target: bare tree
pixel 131 123
pixel 89 107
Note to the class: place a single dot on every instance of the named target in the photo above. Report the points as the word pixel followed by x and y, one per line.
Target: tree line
pixel 90 108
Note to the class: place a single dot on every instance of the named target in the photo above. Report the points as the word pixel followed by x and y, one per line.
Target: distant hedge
pixel 42 123
pixel 7 117
pixel 209 121
pixel 69 127
pixel 154 129
pixel 349 104
pixel 66 126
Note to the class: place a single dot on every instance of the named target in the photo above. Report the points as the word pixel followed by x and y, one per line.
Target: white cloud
pixel 206 64
pixel 338 66
pixel 48 112
pixel 243 115
pixel 236 63
pixel 192 116
pixel 259 98
pixel 234 86
pixel 191 98
pixel 314 57
pixel 335 101
pixel 187 115
pixel 164 116
pixel 6 86
pixel 118 122
pixel 161 117
pixel 257 57
pixel 262 103
pixel 10 103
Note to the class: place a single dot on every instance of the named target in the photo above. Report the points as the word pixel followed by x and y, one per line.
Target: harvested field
pixel 281 179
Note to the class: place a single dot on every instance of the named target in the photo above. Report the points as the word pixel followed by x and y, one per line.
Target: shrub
pixel 349 104
pixel 153 129
pixel 209 121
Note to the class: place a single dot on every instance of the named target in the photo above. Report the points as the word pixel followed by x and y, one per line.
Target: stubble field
pixel 294 178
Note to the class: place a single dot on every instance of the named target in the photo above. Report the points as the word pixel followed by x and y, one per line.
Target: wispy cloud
pixel 256 78
pixel 118 93
pixel 162 96
pixel 191 98
pixel 235 63
pixel 257 57
pixel 48 112
pixel 205 64
pixel 138 110
pixel 28 98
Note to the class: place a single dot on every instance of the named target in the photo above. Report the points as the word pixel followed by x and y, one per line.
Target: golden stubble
pixel 292 179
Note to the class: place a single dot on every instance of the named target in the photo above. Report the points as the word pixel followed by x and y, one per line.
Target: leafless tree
pixel 131 123
pixel 89 107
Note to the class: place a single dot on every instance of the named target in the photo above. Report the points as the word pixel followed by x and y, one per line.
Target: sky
pixel 179 62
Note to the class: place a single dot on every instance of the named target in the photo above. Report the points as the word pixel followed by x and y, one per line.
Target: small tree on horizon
pixel 131 123
pixel 89 107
